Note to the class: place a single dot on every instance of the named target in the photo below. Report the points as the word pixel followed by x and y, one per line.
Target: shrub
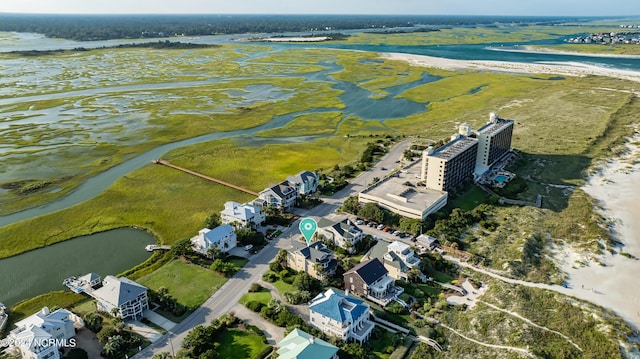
pixel 255 287
pixel 77 353
pixel 270 276
pixel 254 306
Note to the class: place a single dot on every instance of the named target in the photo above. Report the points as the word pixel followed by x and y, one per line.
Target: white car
pixel 248 247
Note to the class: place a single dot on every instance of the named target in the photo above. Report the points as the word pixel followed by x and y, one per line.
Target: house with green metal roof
pixel 301 345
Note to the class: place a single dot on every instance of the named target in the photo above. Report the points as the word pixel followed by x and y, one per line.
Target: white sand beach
pixel 558 68
pixel 616 188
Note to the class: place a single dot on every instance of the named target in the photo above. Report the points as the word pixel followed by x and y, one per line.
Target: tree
pixel 93 322
pixel 351 205
pixel 115 312
pixel 410 225
pixel 413 274
pixel 182 248
pixel 372 212
pixel 223 267
pixel 213 221
pixel 215 253
pixel 113 346
pixel 282 259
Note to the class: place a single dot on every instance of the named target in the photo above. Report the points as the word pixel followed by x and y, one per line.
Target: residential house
pixel 41 335
pixel 426 242
pixel 341 315
pixel 244 215
pixel 315 259
pixel 398 259
pixel 301 345
pixel 371 280
pixel 128 296
pixel 343 234
pixel 282 196
pixel 223 237
pixel 306 182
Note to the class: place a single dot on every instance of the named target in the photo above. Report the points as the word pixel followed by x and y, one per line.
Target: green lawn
pixel 238 344
pixel 237 261
pixel 190 284
pixel 283 287
pixel 263 296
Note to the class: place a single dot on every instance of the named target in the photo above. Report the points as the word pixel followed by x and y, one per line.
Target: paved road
pixel 225 298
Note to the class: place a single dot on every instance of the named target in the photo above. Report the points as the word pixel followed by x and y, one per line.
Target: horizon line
pixel 316 14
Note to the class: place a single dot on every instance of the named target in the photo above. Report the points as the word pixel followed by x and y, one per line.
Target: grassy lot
pixel 238 261
pixel 283 287
pixel 263 296
pixel 236 343
pixel 58 299
pixel 189 284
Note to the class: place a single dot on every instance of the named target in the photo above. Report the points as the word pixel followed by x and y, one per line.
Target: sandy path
pixel 521 350
pixel 514 314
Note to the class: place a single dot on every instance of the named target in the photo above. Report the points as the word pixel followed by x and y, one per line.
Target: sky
pixel 383 7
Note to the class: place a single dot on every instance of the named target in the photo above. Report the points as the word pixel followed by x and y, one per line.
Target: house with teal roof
pixel 301 345
pixel 338 314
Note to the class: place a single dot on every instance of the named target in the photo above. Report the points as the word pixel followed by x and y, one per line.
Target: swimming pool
pixel 501 178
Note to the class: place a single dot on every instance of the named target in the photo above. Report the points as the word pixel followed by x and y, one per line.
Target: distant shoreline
pixel 560 68
pixel 542 50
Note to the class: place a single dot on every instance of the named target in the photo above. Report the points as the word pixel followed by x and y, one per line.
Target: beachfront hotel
pixel 467 157
pixel 494 141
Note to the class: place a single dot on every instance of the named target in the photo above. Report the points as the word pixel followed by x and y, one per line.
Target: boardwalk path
pixel 230 185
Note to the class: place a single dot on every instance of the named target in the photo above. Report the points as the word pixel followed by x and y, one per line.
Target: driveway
pixel 273 333
pixel 159 320
pixel 144 330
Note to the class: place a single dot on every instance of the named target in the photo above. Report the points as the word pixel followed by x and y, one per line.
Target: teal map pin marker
pixel 308 227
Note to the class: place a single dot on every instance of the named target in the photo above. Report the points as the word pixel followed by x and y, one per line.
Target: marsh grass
pixel 317 123
pixel 171 204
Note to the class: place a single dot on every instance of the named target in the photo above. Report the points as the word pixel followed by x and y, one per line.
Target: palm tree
pixel 115 312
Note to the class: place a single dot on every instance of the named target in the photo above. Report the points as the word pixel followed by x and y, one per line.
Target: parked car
pixel 386 229
pixel 380 226
pixel 359 222
pixel 396 233
pixel 248 247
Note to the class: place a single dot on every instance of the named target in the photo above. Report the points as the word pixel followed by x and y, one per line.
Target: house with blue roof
pixel 301 345
pixel 338 314
pixel 222 237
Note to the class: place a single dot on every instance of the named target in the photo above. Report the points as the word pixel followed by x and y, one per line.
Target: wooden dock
pixel 153 247
pixel 230 185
